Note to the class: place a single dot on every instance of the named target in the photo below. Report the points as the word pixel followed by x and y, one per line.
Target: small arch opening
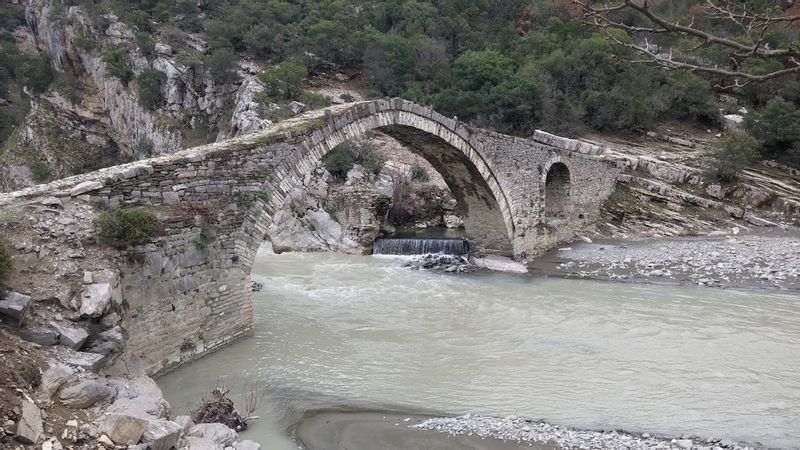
pixel 556 191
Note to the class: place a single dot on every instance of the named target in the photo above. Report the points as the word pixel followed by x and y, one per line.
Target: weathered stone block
pixel 15 306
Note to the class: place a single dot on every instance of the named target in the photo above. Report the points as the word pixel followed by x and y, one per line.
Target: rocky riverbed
pixel 383 430
pixel 521 430
pixel 736 259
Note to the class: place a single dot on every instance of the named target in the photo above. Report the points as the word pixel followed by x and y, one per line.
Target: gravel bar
pixel 516 429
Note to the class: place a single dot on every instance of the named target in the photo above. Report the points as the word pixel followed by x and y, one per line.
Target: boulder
pixel 71 337
pixel 107 342
pixel 29 427
pixel 185 422
pixel 53 202
pixel 140 398
pixel 41 335
pixel 15 306
pixel 297 107
pixel 85 394
pixel 759 222
pixel 199 443
pixel 216 432
pixel 53 378
pixel 123 429
pixel 248 445
pixel 110 320
pixel 86 186
pixel 732 122
pixel 95 299
pixel 163 49
pixel 162 434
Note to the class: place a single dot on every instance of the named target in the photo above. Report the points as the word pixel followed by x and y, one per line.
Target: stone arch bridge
pixel 518 197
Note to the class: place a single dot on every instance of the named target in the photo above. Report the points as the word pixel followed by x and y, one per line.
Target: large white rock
pixel 86 186
pixel 732 122
pixel 85 394
pixel 199 443
pixel 53 378
pixel 95 299
pixel 162 434
pixel 216 432
pixel 141 398
pixel 123 429
pixel 247 445
pixel 29 428
pixel 71 337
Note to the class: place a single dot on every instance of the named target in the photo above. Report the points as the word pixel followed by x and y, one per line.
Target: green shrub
pixel 68 86
pixel 41 172
pixel 146 44
pixel 776 127
pixel 418 173
pixel 116 61
pixel 284 81
pixel 5 262
pixel 338 162
pixel 373 162
pixel 143 149
pixel 37 73
pixel 148 85
pixel 206 237
pixel 221 65
pixel 126 227
pixel 314 100
pixel 734 152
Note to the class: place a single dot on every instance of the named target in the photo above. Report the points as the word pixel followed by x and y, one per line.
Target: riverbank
pixel 368 430
pixel 738 258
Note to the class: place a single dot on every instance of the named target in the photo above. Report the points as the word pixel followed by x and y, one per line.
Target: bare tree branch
pixel 754 27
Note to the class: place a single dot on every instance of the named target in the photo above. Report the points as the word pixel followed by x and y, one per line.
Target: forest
pixel 513 66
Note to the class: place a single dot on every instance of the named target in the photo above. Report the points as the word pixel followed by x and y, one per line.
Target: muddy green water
pixel 335 330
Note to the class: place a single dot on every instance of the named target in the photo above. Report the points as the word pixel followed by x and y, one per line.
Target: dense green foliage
pixel 734 152
pixel 513 66
pixel 285 81
pixel 777 129
pixel 338 162
pixel 471 59
pixel 149 84
pixel 347 154
pixel 117 64
pixel 126 227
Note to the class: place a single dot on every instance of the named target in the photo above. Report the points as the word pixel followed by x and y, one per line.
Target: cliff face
pixel 95 117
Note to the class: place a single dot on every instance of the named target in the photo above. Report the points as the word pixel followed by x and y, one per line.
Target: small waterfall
pixel 456 247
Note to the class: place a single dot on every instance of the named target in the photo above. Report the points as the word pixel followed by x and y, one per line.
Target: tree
pixel 776 127
pixel 735 151
pixel 284 81
pixel 221 65
pixel 722 38
pixel 148 85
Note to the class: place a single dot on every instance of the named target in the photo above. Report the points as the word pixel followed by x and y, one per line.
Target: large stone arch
pixel 183 300
pixel 440 140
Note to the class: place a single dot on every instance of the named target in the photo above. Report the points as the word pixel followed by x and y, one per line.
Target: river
pixel 335 330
